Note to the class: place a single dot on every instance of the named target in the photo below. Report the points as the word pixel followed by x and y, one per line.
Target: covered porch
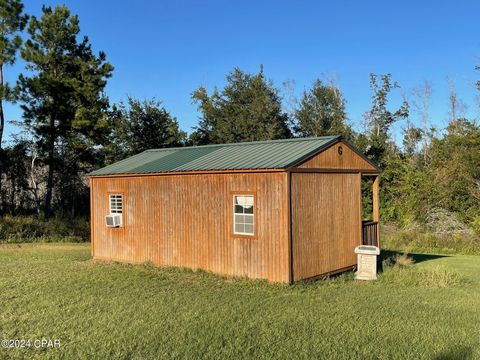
pixel 370 227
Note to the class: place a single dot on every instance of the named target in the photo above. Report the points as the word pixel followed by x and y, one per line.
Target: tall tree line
pixel 70 127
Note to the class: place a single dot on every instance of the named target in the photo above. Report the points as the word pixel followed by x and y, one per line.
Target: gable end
pixel 340 155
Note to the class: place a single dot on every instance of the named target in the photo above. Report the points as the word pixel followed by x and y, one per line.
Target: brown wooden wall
pixel 326 222
pixel 186 220
pixel 331 159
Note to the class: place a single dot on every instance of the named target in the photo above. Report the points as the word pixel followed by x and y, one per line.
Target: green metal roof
pixel 272 154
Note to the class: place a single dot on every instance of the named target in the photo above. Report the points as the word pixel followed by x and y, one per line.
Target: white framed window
pixel 116 205
pixel 243 214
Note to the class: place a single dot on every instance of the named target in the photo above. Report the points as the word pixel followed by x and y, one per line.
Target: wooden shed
pixel 280 210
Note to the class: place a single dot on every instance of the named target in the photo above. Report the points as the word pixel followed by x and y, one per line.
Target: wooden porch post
pixel 375 203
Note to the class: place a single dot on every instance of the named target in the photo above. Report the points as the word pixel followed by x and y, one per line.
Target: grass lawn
pixel 103 311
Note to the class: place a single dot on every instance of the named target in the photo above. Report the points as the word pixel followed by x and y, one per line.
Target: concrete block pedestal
pixel 366 262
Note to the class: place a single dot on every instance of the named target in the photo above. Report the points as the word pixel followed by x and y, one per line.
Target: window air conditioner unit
pixel 113 220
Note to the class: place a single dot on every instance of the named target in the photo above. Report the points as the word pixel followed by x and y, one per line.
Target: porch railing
pixel 370 233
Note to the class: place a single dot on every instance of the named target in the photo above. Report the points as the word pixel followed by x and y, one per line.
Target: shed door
pixel 326 222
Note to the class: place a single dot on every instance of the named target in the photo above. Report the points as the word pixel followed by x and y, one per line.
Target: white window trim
pixel 251 215
pixel 116 211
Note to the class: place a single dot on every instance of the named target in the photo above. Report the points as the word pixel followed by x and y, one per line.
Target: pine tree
pixel 12 22
pixel 62 95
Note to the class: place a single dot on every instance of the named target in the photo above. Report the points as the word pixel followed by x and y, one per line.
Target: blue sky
pixel 166 49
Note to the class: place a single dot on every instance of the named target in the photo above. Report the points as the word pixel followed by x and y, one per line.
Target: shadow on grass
pixel 418 258
pixel 384 255
pixel 460 353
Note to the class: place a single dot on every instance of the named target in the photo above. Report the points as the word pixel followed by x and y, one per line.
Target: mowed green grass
pixel 115 311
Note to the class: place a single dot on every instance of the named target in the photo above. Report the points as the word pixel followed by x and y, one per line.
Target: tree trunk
pixel 51 161
pixel 34 183
pixel 13 195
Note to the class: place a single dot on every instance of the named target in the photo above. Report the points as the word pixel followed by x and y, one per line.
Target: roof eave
pixel 358 152
pixel 190 172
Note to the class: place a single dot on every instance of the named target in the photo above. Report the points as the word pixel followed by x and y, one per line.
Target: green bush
pixel 422 239
pixel 18 229
pixel 476 224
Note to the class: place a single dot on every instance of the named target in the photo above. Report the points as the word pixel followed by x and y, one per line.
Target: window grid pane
pixel 239 228
pixel 243 210
pixel 116 204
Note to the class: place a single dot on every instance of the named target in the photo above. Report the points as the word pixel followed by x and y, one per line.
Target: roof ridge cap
pixel 329 137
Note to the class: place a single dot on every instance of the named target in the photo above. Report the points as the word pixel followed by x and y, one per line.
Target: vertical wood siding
pixel 326 222
pixel 187 221
pixel 331 159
